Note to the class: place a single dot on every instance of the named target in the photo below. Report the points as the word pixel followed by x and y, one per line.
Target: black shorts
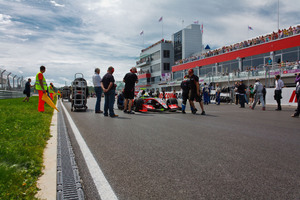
pixel 193 96
pixel 27 94
pixel 129 94
pixel 185 97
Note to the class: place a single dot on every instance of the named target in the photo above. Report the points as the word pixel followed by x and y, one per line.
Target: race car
pixel 156 104
pixel 145 104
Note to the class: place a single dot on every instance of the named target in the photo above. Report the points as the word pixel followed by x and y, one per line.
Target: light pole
pixel 2 80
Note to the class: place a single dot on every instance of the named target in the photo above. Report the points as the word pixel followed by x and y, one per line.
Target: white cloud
pixel 99 33
pixel 5 19
pixel 56 4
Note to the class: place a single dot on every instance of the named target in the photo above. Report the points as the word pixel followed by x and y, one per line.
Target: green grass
pixel 23 136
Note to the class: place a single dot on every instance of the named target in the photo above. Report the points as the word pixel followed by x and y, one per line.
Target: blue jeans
pixel 206 97
pixel 109 102
pixel 98 91
pixel 218 99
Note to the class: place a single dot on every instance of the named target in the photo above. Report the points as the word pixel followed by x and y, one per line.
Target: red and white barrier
pixel 288 97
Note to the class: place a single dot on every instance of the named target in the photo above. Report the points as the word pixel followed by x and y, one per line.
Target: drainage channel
pixel 68 179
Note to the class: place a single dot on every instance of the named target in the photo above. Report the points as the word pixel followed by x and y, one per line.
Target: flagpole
pixel 162 29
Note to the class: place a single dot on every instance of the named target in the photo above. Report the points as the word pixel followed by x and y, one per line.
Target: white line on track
pixel 104 189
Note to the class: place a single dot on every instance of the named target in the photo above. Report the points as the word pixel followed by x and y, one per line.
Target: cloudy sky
pixel 69 36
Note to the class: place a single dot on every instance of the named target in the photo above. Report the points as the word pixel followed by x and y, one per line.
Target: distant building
pixel 187 42
pixel 155 65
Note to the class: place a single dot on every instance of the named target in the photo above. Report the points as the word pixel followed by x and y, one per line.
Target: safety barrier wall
pixel 7 94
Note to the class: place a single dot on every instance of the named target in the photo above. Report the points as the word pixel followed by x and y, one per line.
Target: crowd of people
pixel 247 43
pixel 191 91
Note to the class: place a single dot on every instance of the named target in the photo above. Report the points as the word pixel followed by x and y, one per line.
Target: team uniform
pixel 185 86
pixel 130 80
pixel 193 89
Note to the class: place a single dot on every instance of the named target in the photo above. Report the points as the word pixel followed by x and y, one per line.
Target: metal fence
pixel 11 84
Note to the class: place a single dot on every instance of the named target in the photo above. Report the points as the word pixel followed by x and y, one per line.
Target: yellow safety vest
pixel 37 83
pixel 50 89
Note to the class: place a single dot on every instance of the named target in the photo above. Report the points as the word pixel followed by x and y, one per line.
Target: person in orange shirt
pixel 51 91
pixel 58 94
pixel 41 87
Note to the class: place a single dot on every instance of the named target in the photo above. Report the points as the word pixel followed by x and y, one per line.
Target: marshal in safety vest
pixel 50 89
pixel 37 83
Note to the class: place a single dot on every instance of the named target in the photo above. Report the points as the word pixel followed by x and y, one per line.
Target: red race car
pixel 145 104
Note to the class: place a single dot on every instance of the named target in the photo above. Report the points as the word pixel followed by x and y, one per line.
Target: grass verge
pixel 23 136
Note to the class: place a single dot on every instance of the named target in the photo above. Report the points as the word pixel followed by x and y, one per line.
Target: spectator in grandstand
pixel 27 90
pixel 258 90
pixel 278 90
pixel 218 94
pixel 297 81
pixel 242 93
pixel 206 91
pixel 98 90
pixel 194 93
pixel 130 79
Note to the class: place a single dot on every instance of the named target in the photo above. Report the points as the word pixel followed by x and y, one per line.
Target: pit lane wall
pixel 288 97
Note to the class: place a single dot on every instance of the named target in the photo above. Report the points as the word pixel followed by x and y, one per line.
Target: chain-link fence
pixel 11 84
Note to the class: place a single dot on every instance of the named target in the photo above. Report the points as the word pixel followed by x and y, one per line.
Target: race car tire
pixel 138 105
pixel 172 101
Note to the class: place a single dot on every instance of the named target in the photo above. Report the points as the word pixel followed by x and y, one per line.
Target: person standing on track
pixel 185 87
pixel 258 91
pixel 278 90
pixel 242 92
pixel 98 90
pixel 130 79
pixel 297 81
pixel 108 86
pixel 218 94
pixel 206 91
pixel 41 87
pixel 194 93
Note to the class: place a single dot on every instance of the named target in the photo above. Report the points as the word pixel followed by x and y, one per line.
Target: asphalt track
pixel 231 153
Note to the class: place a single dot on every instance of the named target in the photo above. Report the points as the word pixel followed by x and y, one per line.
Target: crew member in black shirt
pixel 242 92
pixel 185 87
pixel 108 86
pixel 194 93
pixel 130 79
